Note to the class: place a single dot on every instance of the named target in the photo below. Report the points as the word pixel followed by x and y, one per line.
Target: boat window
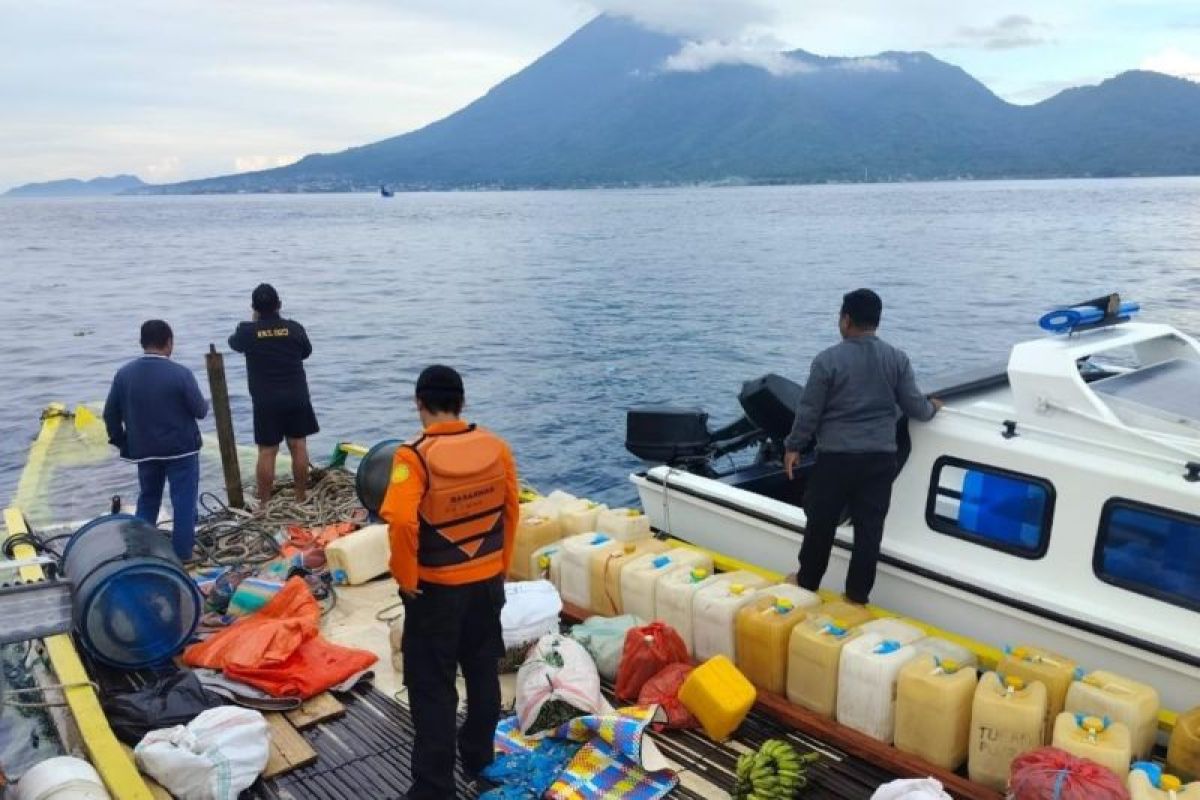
pixel 1151 551
pixel 990 506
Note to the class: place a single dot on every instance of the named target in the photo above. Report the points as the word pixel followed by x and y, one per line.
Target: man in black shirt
pixel 275 350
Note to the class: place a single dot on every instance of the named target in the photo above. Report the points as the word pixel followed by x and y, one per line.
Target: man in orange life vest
pixel 452 510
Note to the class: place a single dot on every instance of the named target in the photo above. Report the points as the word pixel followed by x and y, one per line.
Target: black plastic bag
pixel 175 699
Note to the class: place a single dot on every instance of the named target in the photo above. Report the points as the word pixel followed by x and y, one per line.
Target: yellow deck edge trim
pixel 988 656
pixel 119 773
pixel 36 463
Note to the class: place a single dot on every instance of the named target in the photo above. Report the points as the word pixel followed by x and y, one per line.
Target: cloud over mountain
pixel 1006 33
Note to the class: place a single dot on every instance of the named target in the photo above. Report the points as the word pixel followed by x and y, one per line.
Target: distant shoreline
pixel 720 184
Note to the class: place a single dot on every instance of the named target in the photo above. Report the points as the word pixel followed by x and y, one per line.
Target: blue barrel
pixel 374 474
pixel 134 604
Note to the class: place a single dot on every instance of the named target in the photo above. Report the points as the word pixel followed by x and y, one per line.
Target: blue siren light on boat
pixel 1098 313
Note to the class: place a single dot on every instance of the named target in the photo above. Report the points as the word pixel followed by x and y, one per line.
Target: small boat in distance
pixel 1054 501
pixel 384 191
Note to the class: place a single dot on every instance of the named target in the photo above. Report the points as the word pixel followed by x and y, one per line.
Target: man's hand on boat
pixel 791 460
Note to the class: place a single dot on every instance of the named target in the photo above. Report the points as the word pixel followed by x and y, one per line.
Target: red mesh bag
pixel 648 649
pixel 663 690
pixel 1052 774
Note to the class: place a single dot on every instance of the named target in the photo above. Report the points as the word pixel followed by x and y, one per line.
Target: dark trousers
pixel 184 475
pixel 447 628
pixel 861 482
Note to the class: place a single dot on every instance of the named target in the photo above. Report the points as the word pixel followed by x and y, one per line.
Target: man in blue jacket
pixel 151 415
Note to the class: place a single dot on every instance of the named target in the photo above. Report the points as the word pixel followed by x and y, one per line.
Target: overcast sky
pixel 176 89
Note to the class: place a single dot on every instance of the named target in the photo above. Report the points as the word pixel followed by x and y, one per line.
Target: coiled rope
pixel 230 537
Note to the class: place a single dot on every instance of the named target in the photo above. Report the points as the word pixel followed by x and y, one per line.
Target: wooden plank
pixel 314 710
pixel 289 750
pixel 858 744
pixel 120 776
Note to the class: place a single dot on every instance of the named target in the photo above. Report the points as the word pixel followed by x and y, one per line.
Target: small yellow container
pixel 533 533
pixel 1168 787
pixel 718 696
pixel 814 653
pixel 1006 721
pixel 1183 752
pixel 606 573
pixel 1055 672
pixel 1094 738
pixel 933 710
pixel 1134 704
pixel 763 630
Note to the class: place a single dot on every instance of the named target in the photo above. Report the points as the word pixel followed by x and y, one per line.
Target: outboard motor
pixel 680 436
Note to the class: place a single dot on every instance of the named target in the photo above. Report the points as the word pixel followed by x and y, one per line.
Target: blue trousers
pixel 184 475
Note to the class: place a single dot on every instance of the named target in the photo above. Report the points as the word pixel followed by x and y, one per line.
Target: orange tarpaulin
pixel 279 648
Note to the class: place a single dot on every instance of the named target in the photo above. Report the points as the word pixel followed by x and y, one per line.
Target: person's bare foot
pixel 847 599
pixel 790 578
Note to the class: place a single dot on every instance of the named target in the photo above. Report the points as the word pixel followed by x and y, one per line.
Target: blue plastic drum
pixel 134 604
pixel 374 474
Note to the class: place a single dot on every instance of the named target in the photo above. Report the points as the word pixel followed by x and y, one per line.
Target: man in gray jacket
pixel 849 405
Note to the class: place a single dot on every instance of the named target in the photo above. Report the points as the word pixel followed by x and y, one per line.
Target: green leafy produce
pixel 774 772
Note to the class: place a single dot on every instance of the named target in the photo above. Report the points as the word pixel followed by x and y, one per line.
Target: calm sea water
pixel 560 308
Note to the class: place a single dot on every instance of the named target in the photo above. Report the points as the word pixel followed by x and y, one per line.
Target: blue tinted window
pixel 993 507
pixel 1151 551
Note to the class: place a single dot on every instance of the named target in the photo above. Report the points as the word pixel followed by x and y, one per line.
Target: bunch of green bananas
pixel 774 772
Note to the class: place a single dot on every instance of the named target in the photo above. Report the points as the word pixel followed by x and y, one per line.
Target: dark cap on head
pixel 863 307
pixel 439 378
pixel 264 298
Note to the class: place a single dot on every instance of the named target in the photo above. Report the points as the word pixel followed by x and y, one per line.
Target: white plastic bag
pixel 604 639
pixel 556 670
pixel 213 757
pixel 531 610
pixel 911 789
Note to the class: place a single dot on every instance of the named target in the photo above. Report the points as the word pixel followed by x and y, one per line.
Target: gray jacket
pixel 850 400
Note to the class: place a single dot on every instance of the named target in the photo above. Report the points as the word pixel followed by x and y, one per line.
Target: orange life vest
pixel 461 516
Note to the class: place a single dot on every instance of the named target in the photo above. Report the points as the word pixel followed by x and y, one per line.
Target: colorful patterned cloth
pixel 606 767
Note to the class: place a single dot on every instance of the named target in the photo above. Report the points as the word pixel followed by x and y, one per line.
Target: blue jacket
pixel 152 409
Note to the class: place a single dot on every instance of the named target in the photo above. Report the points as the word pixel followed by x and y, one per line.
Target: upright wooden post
pixel 224 419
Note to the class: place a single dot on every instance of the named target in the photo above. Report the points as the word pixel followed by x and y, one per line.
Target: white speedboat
pixel 1054 502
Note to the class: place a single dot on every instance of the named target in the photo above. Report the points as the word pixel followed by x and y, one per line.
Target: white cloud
pixel 701 56
pixel 258 162
pixel 162 170
pixel 1007 33
pixel 1174 61
pixel 765 53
